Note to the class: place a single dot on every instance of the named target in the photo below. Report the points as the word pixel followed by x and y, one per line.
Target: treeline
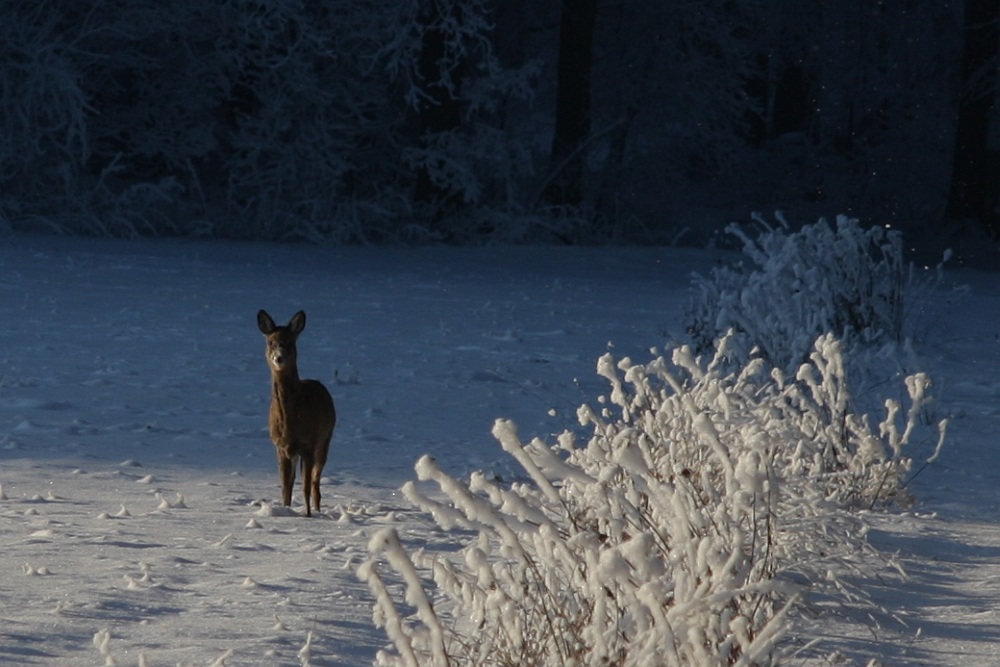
pixel 471 120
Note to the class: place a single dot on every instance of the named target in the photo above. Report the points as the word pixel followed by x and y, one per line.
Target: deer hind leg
pixel 317 470
pixel 286 470
pixel 307 484
pixel 317 473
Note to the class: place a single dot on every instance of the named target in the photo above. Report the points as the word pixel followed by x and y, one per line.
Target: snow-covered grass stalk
pixel 102 642
pixel 665 538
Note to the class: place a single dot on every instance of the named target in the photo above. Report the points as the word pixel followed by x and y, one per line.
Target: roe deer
pixel 302 413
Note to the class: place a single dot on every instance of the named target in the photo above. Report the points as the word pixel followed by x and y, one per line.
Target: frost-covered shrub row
pixel 823 278
pixel 666 538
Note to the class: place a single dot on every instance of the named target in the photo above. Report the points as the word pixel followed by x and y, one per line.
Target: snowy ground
pixel 138 481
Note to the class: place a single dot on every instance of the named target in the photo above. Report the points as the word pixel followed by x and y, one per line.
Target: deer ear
pixel 265 323
pixel 298 322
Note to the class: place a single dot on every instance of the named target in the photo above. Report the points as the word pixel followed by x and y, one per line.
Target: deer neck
pixel 285 385
pixel 285 390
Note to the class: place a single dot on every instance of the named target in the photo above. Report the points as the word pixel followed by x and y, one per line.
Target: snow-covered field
pixel 138 516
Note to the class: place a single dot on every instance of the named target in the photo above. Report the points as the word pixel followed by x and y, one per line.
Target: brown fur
pixel 302 414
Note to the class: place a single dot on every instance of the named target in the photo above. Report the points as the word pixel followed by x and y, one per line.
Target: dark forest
pixel 479 121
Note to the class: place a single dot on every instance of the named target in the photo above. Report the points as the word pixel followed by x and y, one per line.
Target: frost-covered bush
pixel 667 538
pixel 839 279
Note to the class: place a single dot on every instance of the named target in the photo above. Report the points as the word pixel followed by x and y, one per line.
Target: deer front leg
pixel 286 470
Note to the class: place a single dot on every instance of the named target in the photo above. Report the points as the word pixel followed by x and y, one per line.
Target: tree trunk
pixel 576 46
pixel 975 180
pixel 441 110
